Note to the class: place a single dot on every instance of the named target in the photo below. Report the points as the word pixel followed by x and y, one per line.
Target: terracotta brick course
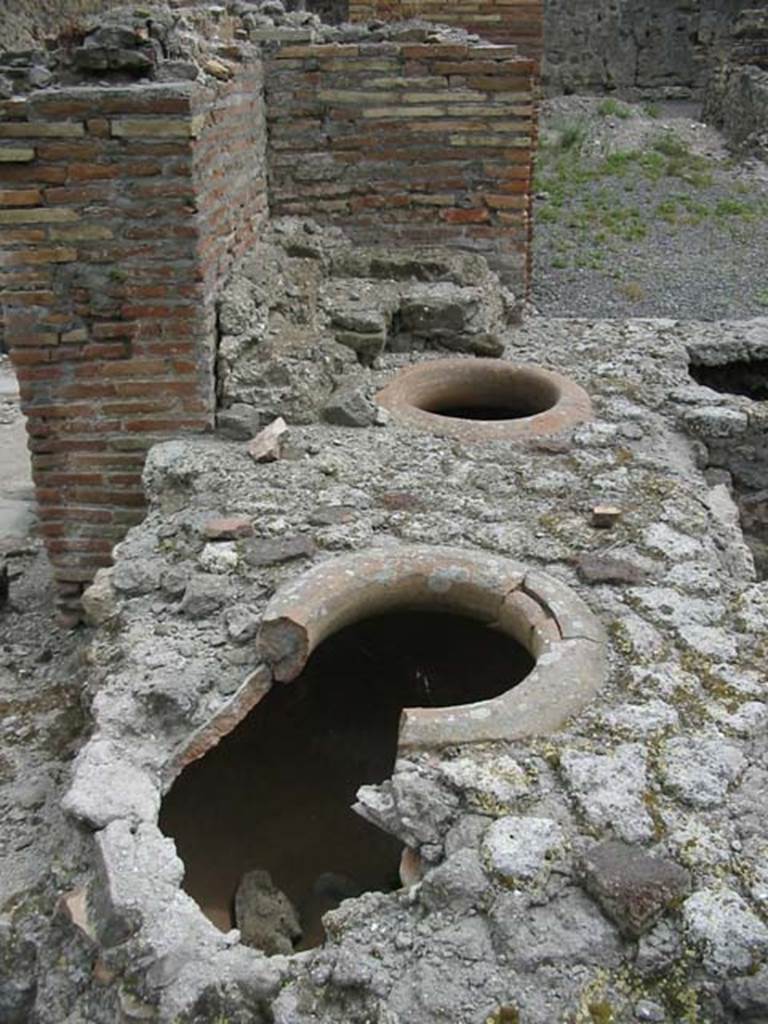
pixel 110 322
pixel 393 157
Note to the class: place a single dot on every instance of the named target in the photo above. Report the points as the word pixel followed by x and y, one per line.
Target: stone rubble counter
pixel 616 867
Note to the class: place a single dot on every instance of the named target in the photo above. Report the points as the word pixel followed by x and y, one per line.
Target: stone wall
pixel 424 144
pixel 736 98
pixel 25 23
pixel 499 21
pixel 122 209
pixel 639 47
pixel 648 48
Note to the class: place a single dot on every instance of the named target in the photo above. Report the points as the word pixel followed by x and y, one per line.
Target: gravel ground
pixel 641 211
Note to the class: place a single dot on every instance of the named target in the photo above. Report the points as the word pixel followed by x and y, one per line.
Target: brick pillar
pixel 111 254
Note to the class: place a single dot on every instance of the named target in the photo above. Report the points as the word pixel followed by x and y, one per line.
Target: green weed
pixel 733 208
pixel 612 108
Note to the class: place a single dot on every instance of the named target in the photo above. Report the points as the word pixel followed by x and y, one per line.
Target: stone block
pixel 633 888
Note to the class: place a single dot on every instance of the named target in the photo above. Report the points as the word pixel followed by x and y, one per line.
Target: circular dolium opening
pixel 513 396
pixel 276 793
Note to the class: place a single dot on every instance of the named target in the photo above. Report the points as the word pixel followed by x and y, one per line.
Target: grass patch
pixel 680 162
pixel 594 205
pixel 612 108
pixel 761 298
pixel 733 208
pixel 652 110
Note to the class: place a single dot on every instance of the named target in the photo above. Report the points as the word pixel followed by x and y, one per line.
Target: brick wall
pixel 425 144
pixel 519 22
pixel 121 209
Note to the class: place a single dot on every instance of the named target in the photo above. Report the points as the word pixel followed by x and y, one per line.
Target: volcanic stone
pixel 633 888
pixel 601 569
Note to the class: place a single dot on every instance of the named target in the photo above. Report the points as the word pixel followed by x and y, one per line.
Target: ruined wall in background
pixel 25 23
pixel 652 48
pixel 736 98
pixel 499 21
pixel 422 144
pixel 121 211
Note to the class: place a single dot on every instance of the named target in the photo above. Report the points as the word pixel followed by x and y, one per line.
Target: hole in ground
pixel 276 793
pixel 478 392
pixel 741 377
pixel 486 412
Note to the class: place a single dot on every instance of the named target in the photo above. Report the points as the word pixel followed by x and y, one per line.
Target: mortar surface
pixel 670 760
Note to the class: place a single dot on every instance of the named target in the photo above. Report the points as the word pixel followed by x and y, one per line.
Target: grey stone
pixel 730 937
pixel 458 884
pixel 137 877
pixel 748 996
pixel 678 609
pixel 708 641
pixel 360 319
pixel 239 422
pixel 570 930
pixel 220 558
pixel 490 784
pixel 610 789
pixel 99 601
pixel 367 346
pixel 641 720
pixel 485 344
pixel 237 308
pixel 39 77
pixel 522 849
pixel 264 914
pixel 411 806
pixel 229 983
pixel 657 949
pixel 204 594
pixel 135 576
pixel 438 312
pixel 699 769
pixel 715 421
pixel 242 623
pixel 595 568
pixel 271 552
pixel 667 541
pixel 633 888
pixel 18 981
pixel 645 1010
pixel 173 581
pixel 349 406
pixel 105 786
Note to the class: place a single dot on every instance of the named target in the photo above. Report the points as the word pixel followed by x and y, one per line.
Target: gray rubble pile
pixel 615 867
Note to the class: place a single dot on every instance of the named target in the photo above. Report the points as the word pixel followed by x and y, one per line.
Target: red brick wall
pixel 519 22
pixel 425 144
pixel 120 212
